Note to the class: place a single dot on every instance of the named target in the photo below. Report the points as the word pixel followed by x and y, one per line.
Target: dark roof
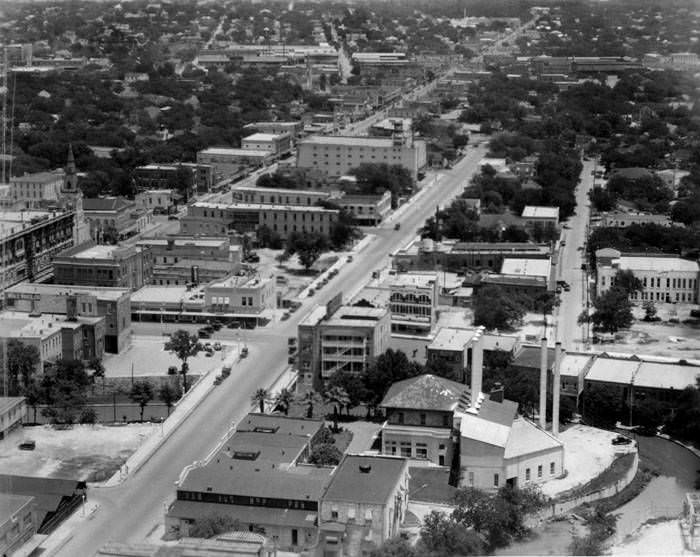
pixel 529 357
pixel 284 425
pixel 245 514
pixel 633 172
pixel 104 203
pixel 365 479
pixel 502 413
pixel 424 392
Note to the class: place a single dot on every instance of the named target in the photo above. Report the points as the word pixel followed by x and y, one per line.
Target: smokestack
pixel 543 383
pixel 477 367
pixel 556 380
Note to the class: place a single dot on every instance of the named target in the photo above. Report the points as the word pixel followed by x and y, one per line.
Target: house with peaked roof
pixel 419 418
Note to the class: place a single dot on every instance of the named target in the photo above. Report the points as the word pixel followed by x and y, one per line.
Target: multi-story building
pixel 38 190
pixel 260 478
pixel 18 522
pixel 367 210
pixel 453 347
pixel 337 155
pixel 337 337
pixel 413 301
pixel 295 128
pixel 546 217
pixel 229 162
pixel 621 219
pixel 428 255
pixel 390 127
pixel 158 201
pixel 665 278
pixel 29 240
pixel 236 294
pixel 276 144
pixel 279 196
pixel 523 276
pixel 363 505
pixel 419 418
pixel 115 217
pixel 218 218
pixel 32 331
pixel 13 412
pixel 166 176
pixel 97 265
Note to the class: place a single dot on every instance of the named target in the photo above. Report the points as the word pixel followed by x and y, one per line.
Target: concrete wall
pixel 483 461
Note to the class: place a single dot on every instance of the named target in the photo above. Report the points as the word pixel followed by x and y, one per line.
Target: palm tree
pixel 338 397
pixel 284 400
pixel 310 399
pixel 260 397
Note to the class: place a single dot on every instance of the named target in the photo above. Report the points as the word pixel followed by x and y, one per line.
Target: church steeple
pixel 71 182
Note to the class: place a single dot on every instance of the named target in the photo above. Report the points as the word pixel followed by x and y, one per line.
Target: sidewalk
pixel 54 542
pixel 184 407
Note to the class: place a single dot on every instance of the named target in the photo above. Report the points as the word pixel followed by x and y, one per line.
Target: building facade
pixel 104 266
pixel 337 155
pixel 413 301
pixel 278 196
pixel 367 210
pixel 229 162
pixel 665 278
pixel 18 522
pixel 13 412
pixel 276 144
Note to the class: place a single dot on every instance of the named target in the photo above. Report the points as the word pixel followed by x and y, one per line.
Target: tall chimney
pixel 477 366
pixel 556 381
pixel 543 383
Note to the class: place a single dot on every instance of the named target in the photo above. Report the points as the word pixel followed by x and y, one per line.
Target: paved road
pixel 131 511
pixel 571 257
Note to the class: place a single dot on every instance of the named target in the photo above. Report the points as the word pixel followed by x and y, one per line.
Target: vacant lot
pixel 83 452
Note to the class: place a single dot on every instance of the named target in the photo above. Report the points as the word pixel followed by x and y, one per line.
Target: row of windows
pixel 226 499
pixel 528 474
pixel 422 419
pixel 408 450
pixel 664 296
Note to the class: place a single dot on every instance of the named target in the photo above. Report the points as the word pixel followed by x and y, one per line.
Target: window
pixel 471 478
pixel 422 419
pixel 406 449
pixel 421 450
pixel 400 417
pixel 334 513
pixel 445 420
pixel 539 470
pixel 527 474
pixel 551 468
pixel 496 480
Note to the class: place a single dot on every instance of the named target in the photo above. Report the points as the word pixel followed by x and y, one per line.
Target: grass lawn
pixel 430 485
pixel 342 439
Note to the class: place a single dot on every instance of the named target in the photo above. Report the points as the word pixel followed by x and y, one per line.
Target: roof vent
pixel 365 468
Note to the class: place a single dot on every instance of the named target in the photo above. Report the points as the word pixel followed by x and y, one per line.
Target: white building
pixel 158 200
pixel 665 278
pixel 33 191
pixel 533 214
pixel 227 162
pixel 276 144
pixel 337 155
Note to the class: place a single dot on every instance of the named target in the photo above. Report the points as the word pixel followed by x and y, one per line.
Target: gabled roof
pixel 104 203
pixel 526 438
pixel 424 392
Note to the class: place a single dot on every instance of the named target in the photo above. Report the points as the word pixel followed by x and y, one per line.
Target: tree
pixel 261 397
pixel 387 369
pixel 353 385
pixel 649 310
pixel 169 394
pixel 22 361
pixel 213 525
pixel 325 454
pixel 440 367
pixel 494 309
pixel 441 535
pixel 308 246
pixel 602 199
pixel 625 280
pixel 64 388
pixel 601 406
pixel 394 547
pixel 98 370
pixel 284 400
pixel 141 393
pixel 612 311
pixel 33 395
pixel 338 397
pixel 499 518
pixel 185 346
pixel 310 399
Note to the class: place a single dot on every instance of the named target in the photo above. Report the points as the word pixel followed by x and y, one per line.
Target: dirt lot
pixel 297 278
pixel 92 453
pixel 659 338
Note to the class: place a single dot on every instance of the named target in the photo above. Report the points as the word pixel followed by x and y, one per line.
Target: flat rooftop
pixel 265 136
pixel 538 212
pixel 452 339
pixel 365 479
pixel 222 152
pixel 350 141
pixel 165 294
pixel 526 267
pixel 319 193
pixel 264 207
pixel 16 324
pixel 657 264
pixel 235 281
pixel 66 290
pixel 183 242
pixel 95 252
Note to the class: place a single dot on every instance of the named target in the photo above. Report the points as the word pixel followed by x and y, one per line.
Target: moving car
pixel 621 440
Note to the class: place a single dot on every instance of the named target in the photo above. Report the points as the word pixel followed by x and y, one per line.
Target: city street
pixel 571 256
pixel 132 510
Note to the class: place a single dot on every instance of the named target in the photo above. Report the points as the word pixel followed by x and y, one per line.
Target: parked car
pixel 621 440
pixel 234 325
pixel 203 333
pixel 209 353
pixel 27 445
pixel 244 352
pixel 397 226
pixel 285 316
pixel 217 346
pixel 350 258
